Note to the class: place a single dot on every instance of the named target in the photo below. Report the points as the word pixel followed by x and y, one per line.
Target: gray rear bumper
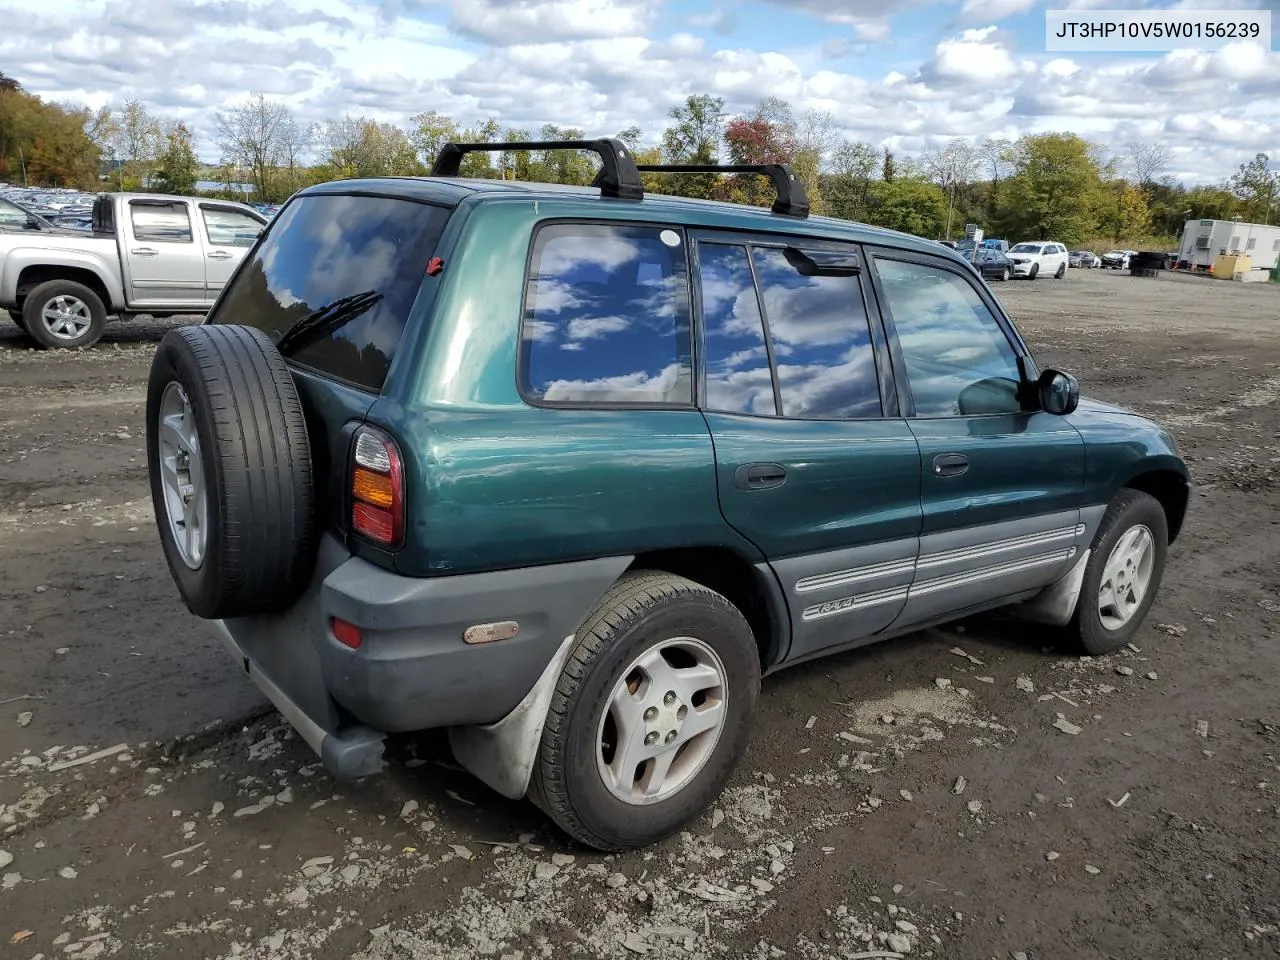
pixel 412 670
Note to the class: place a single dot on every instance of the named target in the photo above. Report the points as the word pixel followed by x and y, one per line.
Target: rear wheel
pixel 230 467
pixel 1004 274
pixel 651 714
pixel 1126 565
pixel 1062 272
pixel 63 314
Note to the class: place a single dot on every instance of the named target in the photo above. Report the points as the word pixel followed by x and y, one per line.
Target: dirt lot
pixel 969 827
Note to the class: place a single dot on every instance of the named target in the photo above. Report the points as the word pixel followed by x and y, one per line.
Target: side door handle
pixel 144 252
pixel 950 464
pixel 759 476
pixel 219 255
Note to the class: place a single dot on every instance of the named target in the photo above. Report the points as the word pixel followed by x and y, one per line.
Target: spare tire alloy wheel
pixel 64 314
pixel 182 476
pixel 230 468
pixel 651 714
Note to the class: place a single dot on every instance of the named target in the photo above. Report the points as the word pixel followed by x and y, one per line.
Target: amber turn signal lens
pixel 372 487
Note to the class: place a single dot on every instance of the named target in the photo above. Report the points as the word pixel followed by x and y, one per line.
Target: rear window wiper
pixel 326 319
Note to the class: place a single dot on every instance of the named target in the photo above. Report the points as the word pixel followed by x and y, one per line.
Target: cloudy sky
pixel 905 73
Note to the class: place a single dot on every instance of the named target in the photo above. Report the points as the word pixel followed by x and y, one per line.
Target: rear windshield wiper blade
pixel 325 319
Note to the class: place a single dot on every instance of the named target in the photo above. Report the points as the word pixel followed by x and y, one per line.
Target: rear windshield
pixel 326 247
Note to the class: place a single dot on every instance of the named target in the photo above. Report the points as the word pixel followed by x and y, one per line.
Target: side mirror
pixel 1059 392
pixel 31 224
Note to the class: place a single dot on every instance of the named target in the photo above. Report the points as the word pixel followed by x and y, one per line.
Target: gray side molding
pixel 1056 603
pixel 502 754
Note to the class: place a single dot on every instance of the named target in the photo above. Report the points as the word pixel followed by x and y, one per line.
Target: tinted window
pixel 160 222
pixel 230 228
pixel 958 359
pixel 325 247
pixel 821 341
pixel 606 316
pixel 734 355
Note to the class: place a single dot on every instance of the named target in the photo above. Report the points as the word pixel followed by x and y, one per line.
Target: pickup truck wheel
pixel 63 314
pixel 1126 565
pixel 651 714
pixel 230 468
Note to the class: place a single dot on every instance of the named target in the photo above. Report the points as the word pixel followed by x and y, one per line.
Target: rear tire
pixel 1004 274
pixel 230 466
pixel 604 683
pixel 64 315
pixel 1127 558
pixel 1062 272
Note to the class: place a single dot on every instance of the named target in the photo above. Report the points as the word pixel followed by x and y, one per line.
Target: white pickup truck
pixel 147 254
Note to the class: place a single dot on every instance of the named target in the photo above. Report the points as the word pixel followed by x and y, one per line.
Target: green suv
pixel 567 470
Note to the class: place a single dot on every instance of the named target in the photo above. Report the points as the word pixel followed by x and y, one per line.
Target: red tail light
pixel 377 488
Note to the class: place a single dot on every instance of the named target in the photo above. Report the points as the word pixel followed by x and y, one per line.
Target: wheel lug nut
pixel 670 698
pixel 650 739
pixel 671 736
pixel 682 712
pixel 651 713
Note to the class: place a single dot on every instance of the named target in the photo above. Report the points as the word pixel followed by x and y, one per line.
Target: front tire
pixel 651 714
pixel 64 315
pixel 1035 271
pixel 1123 575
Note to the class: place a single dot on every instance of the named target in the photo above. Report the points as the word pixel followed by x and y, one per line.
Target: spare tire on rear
pixel 231 471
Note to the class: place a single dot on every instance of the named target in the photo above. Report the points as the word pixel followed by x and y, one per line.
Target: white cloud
pixel 603 65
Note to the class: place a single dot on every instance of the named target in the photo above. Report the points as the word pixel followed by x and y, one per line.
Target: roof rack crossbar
pixel 792 199
pixel 617 178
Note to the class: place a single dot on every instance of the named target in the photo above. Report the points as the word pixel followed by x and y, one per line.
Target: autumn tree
pixel 44 144
pixel 253 135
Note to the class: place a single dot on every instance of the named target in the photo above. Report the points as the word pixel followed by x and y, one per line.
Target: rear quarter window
pixel 325 247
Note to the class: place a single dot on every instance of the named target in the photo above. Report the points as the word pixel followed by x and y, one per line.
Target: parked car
pixel 16 217
pixel 1117 259
pixel 146 253
pixel 1036 258
pixel 1084 259
pixel 993 264
pixel 566 470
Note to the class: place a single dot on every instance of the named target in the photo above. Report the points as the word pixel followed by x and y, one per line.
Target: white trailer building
pixel 1203 241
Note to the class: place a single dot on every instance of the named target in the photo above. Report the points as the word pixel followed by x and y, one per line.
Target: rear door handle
pixel 759 476
pixel 143 252
pixel 219 255
pixel 950 464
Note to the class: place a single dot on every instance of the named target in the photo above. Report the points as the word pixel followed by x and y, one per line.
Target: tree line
pixel 1042 186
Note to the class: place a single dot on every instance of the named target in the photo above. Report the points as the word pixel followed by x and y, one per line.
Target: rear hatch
pixel 351 265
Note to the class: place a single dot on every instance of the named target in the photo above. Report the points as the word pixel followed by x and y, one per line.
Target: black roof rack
pixel 617 177
pixel 619 174
pixel 792 199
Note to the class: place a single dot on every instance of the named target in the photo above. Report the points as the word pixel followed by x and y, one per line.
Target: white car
pixel 1117 259
pixel 1039 258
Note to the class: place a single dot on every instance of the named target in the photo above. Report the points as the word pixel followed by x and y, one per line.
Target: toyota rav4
pixel 567 470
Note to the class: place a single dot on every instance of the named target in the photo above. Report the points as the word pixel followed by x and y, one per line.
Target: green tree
pixel 889 168
pixel 1126 216
pixel 694 136
pixel 910 205
pixel 1258 187
pixel 430 132
pixel 177 168
pixel 1055 188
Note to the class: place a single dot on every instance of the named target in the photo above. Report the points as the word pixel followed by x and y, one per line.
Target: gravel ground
pixel 914 798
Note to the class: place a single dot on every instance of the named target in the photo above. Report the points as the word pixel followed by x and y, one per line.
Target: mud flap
pixel 1056 603
pixel 502 754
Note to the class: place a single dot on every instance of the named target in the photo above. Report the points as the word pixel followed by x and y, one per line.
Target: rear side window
pixel 606 316
pixel 230 228
pixel 327 247
pixel 736 359
pixel 160 222
pixel 821 341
